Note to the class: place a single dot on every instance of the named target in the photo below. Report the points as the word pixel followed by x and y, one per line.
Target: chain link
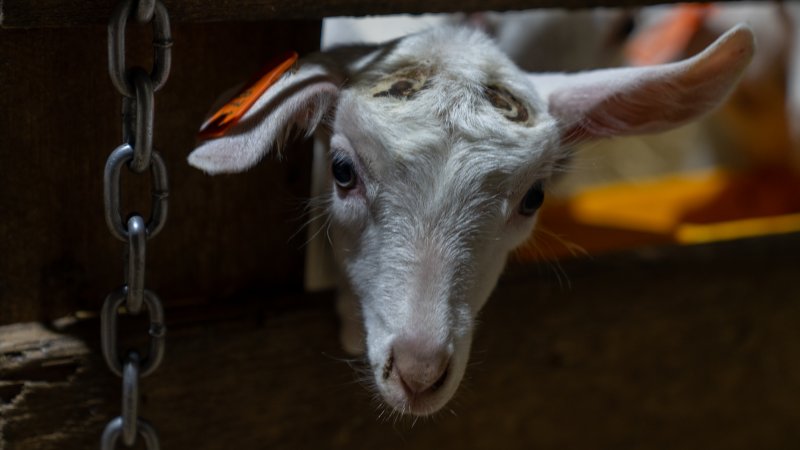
pixel 143 428
pixel 121 156
pixel 145 10
pixel 137 154
pixel 142 139
pixel 130 398
pixel 108 331
pixel 134 273
pixel 162 44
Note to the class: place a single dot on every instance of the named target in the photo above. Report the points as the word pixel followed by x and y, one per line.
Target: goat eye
pixel 343 173
pixel 533 200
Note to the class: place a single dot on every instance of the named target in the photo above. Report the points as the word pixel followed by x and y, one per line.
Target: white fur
pixel 423 236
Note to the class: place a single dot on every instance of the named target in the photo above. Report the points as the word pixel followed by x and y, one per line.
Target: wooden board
pixel 686 348
pixel 60 119
pixel 67 13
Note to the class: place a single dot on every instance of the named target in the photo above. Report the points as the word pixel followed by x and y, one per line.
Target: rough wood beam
pixel 65 13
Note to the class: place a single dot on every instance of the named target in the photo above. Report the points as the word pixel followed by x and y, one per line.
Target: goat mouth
pixel 420 406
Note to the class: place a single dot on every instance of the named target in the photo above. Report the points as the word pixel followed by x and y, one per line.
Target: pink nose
pixel 421 367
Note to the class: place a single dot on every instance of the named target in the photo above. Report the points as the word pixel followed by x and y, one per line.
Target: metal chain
pixel 137 154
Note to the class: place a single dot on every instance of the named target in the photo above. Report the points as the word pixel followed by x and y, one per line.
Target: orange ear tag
pixel 668 39
pixel 229 115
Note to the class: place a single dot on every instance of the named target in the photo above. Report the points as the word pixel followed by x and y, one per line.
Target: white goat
pixel 440 151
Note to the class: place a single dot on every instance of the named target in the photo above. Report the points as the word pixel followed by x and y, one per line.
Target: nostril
pixel 440 382
pixel 387 368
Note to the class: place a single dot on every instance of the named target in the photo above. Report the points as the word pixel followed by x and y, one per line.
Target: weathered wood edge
pixel 68 13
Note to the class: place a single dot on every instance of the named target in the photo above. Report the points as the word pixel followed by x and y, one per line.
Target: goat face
pixel 439 150
pixel 430 165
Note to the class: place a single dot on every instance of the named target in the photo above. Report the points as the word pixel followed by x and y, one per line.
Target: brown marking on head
pixel 511 108
pixel 403 84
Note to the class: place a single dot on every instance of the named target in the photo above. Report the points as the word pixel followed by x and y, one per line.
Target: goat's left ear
pixel 298 100
pixel 626 101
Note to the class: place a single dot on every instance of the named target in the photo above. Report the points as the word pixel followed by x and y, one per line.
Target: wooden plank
pixel 59 120
pixel 689 348
pixel 67 13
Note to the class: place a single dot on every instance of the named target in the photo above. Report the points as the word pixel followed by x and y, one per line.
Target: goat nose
pixel 421 368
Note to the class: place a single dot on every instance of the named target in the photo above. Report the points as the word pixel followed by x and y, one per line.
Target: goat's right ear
pixel 298 100
pixel 625 101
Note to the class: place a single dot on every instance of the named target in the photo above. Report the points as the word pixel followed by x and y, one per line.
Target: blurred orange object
pixel 679 209
pixel 667 40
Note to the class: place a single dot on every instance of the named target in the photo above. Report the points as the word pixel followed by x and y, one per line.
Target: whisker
pixel 305 226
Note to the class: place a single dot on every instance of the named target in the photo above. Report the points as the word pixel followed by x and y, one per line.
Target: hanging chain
pixel 137 154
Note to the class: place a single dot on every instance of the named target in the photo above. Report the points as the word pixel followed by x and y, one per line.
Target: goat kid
pixel 440 151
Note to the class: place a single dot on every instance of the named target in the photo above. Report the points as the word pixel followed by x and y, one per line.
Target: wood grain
pixel 59 120
pixel 68 13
